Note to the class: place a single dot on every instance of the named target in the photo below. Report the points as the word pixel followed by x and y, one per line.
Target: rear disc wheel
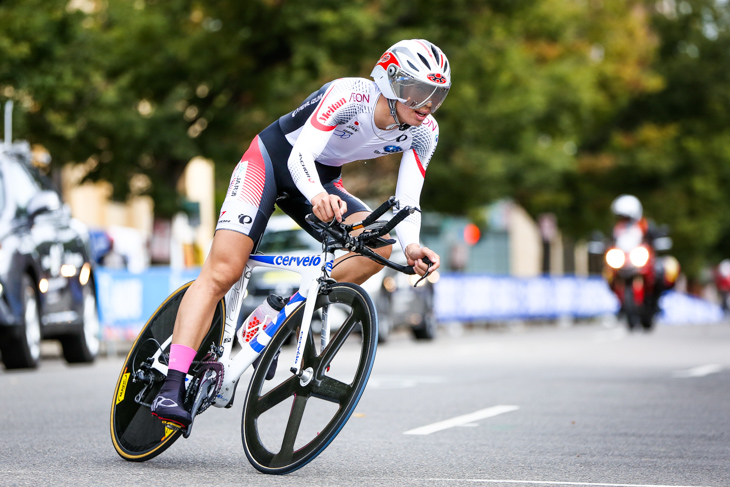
pixel 136 434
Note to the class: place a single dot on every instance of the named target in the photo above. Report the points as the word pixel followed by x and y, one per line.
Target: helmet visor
pixel 416 93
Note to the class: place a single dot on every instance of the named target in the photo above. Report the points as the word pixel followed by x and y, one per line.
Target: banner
pixel 126 300
pixel 468 298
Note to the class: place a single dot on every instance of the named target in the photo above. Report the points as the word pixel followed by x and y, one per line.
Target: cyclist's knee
pixel 221 277
pixel 225 263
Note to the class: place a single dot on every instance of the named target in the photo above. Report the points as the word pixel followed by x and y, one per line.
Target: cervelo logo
pixel 331 109
pixel 289 260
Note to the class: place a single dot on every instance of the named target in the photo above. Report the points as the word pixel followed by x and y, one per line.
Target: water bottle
pixel 260 318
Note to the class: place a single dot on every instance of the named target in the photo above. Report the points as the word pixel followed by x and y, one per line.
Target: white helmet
pixel 414 72
pixel 627 206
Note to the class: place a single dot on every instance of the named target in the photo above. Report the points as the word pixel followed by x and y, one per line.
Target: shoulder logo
pixel 331 109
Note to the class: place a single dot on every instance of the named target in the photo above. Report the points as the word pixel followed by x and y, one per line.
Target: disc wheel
pixel 137 435
pixel 289 420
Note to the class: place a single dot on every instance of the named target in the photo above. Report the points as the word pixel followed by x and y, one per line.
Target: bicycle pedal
pixel 175 427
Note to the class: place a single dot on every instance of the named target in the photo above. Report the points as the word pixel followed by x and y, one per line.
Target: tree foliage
pixel 560 105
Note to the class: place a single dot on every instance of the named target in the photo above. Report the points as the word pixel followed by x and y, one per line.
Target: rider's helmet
pixel 627 206
pixel 414 72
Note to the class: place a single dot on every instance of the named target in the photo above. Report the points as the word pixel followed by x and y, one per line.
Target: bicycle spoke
pixel 309 356
pixel 282 392
pixel 292 429
pixel 332 390
pixel 338 340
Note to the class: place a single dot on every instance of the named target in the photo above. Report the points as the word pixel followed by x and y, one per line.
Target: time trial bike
pixel 323 378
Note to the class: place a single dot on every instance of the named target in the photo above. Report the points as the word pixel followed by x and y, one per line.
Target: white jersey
pixel 335 126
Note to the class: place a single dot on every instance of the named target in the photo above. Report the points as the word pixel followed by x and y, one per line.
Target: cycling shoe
pixel 171 412
pixel 168 405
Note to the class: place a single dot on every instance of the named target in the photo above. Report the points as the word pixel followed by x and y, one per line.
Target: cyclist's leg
pixel 221 270
pixel 243 217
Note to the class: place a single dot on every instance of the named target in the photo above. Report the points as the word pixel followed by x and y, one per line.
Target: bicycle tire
pixel 362 320
pixel 137 435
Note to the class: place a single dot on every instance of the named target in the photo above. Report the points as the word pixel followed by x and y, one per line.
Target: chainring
pixel 209 363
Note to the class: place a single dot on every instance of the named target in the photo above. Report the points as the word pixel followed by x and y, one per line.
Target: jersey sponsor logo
pixel 244 219
pixel 401 138
pixel 437 78
pixel 391 149
pixel 235 184
pixel 324 116
pixel 343 134
pixel 304 168
pixel 430 123
pixel 360 97
pixel 307 103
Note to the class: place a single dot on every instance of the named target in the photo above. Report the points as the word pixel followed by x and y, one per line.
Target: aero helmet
pixel 414 72
pixel 627 206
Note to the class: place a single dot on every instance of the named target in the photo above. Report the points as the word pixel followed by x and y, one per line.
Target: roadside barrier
pixel 483 298
pixel 126 299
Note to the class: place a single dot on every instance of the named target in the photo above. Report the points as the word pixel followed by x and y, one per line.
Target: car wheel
pixel 83 347
pixel 427 329
pixel 385 321
pixel 24 351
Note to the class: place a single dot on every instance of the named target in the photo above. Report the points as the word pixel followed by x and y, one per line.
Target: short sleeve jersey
pixel 335 126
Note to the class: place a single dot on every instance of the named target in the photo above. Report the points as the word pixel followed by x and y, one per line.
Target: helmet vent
pixel 446 65
pixel 435 52
pixel 411 65
pixel 423 60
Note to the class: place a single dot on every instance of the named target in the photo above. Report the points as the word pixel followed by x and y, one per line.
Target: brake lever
pixel 428 262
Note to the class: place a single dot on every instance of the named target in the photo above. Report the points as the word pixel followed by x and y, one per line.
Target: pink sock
pixel 181 357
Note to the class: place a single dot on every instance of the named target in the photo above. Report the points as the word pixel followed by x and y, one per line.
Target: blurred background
pixel 138 110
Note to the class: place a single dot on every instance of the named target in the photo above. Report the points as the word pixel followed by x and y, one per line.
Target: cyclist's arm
pixel 411 176
pixel 312 140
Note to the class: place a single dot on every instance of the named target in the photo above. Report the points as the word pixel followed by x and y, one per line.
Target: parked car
pixel 47 288
pixel 397 302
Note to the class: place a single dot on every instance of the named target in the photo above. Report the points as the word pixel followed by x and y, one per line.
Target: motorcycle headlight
pixel 615 258
pixel 639 256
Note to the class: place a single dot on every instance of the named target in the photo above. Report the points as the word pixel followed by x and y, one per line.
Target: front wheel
pixel 290 420
pixel 137 435
pixel 631 309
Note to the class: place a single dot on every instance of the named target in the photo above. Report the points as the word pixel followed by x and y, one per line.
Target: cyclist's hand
pixel 415 255
pixel 328 206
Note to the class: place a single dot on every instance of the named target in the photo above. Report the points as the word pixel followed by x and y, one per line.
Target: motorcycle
pixel 722 283
pixel 637 275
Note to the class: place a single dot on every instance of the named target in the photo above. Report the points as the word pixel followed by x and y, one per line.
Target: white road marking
pixel 547 482
pixel 461 420
pixel 401 381
pixel 700 371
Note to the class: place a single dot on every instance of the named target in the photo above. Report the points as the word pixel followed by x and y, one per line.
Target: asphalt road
pixel 521 406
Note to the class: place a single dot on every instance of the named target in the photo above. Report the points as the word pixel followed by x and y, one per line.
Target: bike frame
pixel 314 269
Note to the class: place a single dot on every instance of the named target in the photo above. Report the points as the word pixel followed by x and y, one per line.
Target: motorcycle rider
pixel 632 225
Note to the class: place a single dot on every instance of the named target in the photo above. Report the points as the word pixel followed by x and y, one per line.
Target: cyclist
pixel 296 164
